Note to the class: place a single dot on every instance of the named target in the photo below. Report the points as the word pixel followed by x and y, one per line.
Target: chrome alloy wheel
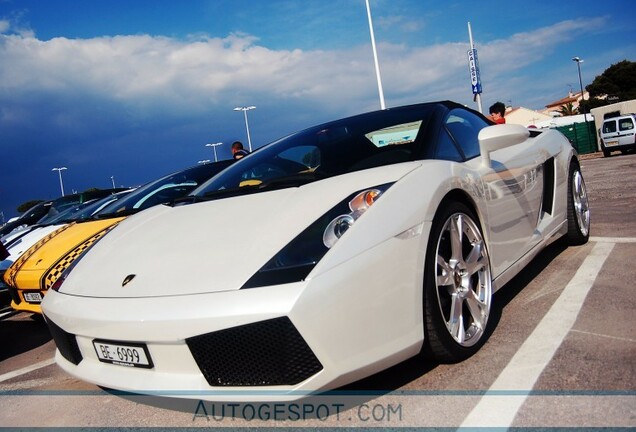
pixel 581 205
pixel 463 280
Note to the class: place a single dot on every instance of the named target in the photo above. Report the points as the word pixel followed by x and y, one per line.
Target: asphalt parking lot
pixel 562 354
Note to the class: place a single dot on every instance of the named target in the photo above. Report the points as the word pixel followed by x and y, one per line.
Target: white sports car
pixel 321 258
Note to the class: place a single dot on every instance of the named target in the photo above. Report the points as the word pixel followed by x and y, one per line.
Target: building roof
pixel 571 98
pixel 524 116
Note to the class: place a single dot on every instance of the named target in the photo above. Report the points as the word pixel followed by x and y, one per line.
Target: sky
pixel 124 92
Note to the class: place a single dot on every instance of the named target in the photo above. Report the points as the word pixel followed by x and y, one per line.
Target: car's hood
pixel 209 246
pixel 54 252
pixel 22 244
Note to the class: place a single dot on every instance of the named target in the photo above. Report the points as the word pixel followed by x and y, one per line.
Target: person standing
pixel 237 150
pixel 497 112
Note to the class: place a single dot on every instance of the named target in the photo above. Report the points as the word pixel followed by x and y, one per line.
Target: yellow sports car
pixel 30 276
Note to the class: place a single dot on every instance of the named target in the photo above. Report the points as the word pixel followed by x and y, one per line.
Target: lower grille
pixel 66 343
pixel 264 353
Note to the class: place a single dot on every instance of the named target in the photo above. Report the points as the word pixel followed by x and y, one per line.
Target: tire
pixel 457 286
pixel 578 207
pixel 606 152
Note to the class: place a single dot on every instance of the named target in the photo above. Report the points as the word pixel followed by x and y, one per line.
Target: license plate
pixel 123 354
pixel 611 143
pixel 33 297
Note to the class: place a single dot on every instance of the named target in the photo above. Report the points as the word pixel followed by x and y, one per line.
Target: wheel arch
pixel 459 195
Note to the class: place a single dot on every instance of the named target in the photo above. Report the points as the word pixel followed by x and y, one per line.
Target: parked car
pixel 37 269
pixel 74 212
pixel 53 207
pixel 24 237
pixel 618 133
pixel 321 258
pixel 29 217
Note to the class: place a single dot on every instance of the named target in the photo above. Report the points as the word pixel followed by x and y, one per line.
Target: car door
pixel 609 133
pixel 625 131
pixel 513 189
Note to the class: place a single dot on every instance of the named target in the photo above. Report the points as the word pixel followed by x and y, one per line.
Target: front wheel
pixel 606 152
pixel 457 286
pixel 578 207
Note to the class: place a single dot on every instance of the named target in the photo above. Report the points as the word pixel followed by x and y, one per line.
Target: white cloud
pixel 522 49
pixel 13 25
pixel 145 71
pixel 399 23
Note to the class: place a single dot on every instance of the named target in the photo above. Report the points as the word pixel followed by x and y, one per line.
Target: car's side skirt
pixel 522 262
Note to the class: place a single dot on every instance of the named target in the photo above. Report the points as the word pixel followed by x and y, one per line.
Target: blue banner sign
pixel 473 65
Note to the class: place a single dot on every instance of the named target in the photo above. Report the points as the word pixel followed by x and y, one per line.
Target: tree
pixel 568 110
pixel 616 84
pixel 27 205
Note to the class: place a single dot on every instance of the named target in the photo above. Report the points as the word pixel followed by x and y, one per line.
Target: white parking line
pixel 497 410
pixel 613 239
pixel 6 313
pixel 26 370
pixel 622 339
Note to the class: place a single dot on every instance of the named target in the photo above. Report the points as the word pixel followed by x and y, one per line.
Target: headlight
pixel 358 205
pixel 294 262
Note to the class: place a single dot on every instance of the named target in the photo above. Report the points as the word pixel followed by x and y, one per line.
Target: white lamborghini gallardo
pixel 321 258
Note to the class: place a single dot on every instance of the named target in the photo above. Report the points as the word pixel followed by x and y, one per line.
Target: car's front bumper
pixel 30 304
pixel 349 322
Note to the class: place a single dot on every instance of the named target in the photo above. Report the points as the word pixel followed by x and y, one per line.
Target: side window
pixel 609 127
pixel 464 126
pixel 625 124
pixel 446 148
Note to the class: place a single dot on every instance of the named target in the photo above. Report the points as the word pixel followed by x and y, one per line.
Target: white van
pixel 618 133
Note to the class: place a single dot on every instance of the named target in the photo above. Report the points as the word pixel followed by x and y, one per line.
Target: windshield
pixel 54 218
pixel 357 143
pixel 163 190
pixel 81 212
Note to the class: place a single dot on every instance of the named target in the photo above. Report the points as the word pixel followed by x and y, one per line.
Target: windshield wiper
pixel 212 195
pixel 293 180
pixel 122 213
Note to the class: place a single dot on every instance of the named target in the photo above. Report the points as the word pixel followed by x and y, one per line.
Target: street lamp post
pixel 375 58
pixel 245 109
pixel 59 172
pixel 578 61
pixel 112 179
pixel 214 145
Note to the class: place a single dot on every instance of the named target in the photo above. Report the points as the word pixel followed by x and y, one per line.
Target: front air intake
pixel 66 343
pixel 264 353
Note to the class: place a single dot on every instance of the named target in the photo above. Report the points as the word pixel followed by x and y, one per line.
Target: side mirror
pixel 496 137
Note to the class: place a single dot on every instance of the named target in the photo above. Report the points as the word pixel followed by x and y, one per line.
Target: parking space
pixel 561 354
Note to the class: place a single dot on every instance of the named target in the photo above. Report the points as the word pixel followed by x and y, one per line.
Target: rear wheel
pixel 578 207
pixel 457 284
